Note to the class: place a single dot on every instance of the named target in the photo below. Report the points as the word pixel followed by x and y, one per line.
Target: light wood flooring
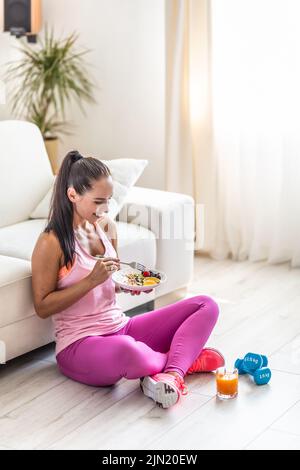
pixel 260 312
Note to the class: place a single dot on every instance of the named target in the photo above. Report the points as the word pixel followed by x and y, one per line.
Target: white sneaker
pixel 164 389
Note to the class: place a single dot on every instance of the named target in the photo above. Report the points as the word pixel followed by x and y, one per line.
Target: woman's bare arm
pixel 45 267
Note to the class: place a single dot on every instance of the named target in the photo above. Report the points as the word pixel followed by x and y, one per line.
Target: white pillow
pixel 124 171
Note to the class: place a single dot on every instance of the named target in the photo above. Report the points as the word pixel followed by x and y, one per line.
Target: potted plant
pixel 44 80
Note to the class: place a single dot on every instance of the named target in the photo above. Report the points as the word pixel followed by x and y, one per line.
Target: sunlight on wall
pixel 2 93
pixel 256 63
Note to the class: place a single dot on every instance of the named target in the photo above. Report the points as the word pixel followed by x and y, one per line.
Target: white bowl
pixel 119 278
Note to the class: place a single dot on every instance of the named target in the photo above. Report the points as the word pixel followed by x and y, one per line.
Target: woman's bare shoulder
pixel 49 239
pixel 48 245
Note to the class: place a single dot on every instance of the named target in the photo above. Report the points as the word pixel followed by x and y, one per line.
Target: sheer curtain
pixel 233 123
pixel 256 109
pixel 190 165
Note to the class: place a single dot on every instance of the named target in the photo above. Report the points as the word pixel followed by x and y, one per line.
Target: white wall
pixel 127 39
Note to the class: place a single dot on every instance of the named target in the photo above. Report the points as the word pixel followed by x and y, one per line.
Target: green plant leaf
pixel 45 79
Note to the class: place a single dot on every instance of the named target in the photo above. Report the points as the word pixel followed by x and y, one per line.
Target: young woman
pixel 96 343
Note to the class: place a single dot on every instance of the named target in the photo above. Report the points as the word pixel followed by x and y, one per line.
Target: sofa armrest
pixel 170 216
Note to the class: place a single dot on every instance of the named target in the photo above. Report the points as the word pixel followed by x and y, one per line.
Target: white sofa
pixel 25 178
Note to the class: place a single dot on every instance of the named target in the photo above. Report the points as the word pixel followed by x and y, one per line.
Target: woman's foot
pixel 164 388
pixel 208 360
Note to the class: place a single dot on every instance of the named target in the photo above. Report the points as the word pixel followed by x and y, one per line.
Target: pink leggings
pixel 167 339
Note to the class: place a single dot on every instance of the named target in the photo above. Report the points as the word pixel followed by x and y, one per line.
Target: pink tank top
pixel 97 312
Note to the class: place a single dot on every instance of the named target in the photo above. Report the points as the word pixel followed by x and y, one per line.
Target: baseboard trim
pixel 170 298
pixel 147 307
pixel 162 301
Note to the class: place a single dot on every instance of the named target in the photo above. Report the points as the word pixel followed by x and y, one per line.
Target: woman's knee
pixel 211 305
pixel 138 356
pixel 132 350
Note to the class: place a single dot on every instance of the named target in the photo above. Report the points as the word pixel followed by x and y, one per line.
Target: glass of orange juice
pixel 227 383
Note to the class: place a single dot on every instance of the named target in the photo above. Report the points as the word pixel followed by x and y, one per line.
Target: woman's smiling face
pixel 93 204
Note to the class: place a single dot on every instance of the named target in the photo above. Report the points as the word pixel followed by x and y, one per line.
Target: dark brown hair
pixel 80 173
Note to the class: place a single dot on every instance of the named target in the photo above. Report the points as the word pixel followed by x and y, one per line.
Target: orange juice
pixel 227 383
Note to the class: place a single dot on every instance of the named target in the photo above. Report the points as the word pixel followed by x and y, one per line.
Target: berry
pixel 155 275
pixel 146 274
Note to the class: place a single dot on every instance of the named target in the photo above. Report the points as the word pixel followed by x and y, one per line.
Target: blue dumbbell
pixel 255 365
pixel 251 362
pixel 261 376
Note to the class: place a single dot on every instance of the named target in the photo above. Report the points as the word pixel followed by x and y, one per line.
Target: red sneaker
pixel 208 360
pixel 165 389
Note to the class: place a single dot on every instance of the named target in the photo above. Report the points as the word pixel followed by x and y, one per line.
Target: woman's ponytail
pixel 73 156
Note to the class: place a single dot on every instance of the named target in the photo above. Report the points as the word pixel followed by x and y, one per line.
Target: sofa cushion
pixel 25 171
pixel 125 173
pixel 135 243
pixel 15 290
pixel 18 240
pixel 25 335
pixel 13 270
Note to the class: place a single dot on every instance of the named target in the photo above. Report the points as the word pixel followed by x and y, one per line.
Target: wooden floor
pixel 260 312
